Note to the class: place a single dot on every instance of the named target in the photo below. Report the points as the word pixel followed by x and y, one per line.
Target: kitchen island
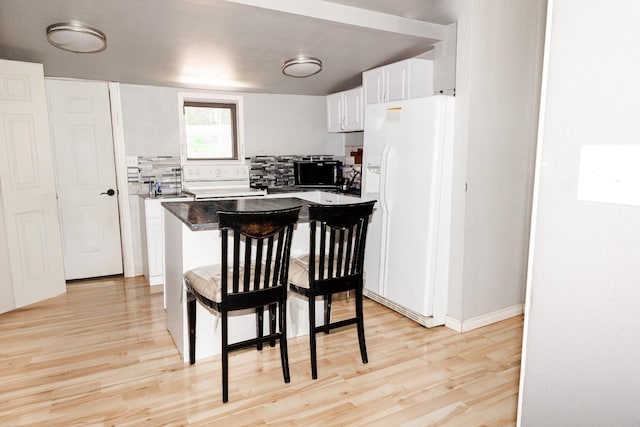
pixel 192 239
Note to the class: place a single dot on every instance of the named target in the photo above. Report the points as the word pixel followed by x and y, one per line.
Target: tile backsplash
pixel 266 171
pixel 163 170
pixel 277 171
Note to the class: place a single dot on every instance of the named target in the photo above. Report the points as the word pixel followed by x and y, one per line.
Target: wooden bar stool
pixel 254 277
pixel 334 264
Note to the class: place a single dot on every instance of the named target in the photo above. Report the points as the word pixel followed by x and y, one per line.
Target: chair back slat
pixel 248 246
pixel 278 262
pixel 259 264
pixel 348 261
pixel 225 256
pixel 330 250
pixel 236 265
pixel 267 262
pixel 323 241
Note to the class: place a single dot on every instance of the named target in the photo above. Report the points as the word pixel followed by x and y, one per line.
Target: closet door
pixel 27 185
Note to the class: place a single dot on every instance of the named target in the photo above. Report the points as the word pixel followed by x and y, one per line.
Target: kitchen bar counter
pixel 191 239
pixel 202 215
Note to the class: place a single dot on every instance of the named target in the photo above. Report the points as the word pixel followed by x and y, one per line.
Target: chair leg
pixel 284 352
pixel 191 320
pixel 360 325
pixel 327 313
pixel 225 359
pixel 259 325
pixel 312 336
pixel 272 323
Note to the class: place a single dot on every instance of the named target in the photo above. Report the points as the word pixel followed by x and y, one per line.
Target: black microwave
pixel 318 173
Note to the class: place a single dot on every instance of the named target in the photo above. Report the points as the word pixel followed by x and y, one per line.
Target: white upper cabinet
pixel 334 112
pixel 344 111
pixel 411 78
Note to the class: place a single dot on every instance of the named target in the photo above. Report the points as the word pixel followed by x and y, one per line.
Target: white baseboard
pixel 485 319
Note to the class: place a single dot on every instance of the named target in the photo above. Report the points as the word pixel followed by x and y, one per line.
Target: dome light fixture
pixel 74 36
pixel 301 66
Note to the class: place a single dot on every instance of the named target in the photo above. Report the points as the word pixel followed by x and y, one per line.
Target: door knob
pixel 109 192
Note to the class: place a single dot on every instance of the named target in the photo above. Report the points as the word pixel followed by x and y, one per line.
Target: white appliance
pixel 206 182
pixel 407 167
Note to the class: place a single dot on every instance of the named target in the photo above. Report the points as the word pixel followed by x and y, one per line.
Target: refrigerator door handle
pixel 384 170
pixel 384 205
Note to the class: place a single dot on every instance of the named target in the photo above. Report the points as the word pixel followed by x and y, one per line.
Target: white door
pixel 27 187
pixel 80 119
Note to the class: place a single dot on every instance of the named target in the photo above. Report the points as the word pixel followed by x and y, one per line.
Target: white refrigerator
pixel 407 167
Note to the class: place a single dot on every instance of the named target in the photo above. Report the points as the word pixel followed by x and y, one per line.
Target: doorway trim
pixel 126 234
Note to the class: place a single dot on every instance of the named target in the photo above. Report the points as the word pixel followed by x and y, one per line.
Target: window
pixel 210 127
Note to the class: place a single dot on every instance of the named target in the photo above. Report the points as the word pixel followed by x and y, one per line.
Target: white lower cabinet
pixel 152 240
pixel 318 196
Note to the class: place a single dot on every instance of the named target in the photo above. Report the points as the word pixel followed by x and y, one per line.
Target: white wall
pixel 150 120
pixel 274 124
pixel 285 124
pixel 582 345
pixel 499 56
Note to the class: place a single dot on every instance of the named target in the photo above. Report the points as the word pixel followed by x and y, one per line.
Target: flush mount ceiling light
pixel 302 66
pixel 76 37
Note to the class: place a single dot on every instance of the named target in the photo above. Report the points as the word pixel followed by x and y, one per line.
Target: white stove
pixel 206 182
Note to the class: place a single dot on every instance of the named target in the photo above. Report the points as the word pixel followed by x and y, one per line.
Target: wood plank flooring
pixel 101 355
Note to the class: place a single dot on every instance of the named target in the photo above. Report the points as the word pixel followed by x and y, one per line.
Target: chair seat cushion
pixel 299 271
pixel 207 281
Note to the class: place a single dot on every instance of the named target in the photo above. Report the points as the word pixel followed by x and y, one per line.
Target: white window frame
pixel 211 98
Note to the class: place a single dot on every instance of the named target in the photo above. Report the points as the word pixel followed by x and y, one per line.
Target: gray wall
pixel 582 346
pixel 499 59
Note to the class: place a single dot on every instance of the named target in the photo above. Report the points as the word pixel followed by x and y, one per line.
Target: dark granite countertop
pixel 202 215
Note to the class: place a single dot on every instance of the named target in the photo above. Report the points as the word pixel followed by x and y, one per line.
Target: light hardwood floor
pixel 101 355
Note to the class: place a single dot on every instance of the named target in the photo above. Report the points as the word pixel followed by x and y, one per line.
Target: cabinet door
pixel 334 112
pixel 372 83
pixel 155 249
pixel 352 108
pixel 396 80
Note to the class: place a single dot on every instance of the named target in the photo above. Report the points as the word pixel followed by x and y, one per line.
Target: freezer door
pixel 373 252
pixel 411 174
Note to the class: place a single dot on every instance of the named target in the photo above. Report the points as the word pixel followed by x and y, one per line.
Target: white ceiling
pixel 225 44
